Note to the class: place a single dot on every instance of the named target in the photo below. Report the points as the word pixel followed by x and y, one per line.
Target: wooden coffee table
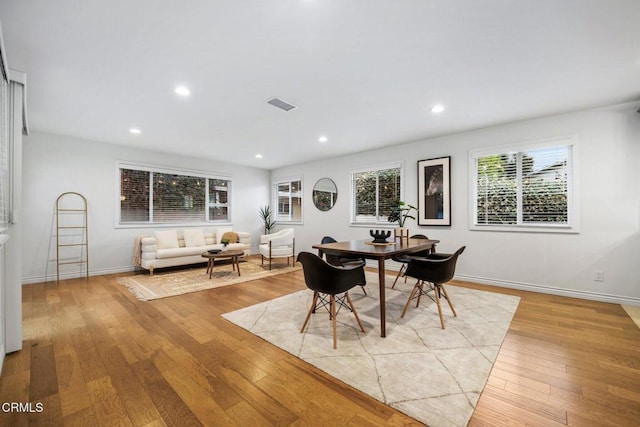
pixel 233 254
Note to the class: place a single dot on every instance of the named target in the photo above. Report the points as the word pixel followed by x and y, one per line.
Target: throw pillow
pixel 167 239
pixel 193 237
pixel 220 232
pixel 231 235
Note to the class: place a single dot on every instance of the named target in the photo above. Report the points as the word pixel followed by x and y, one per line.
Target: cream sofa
pixel 168 248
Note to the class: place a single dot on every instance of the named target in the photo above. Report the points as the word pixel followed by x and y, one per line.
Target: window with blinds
pixel 288 200
pixel 374 193
pixel 160 197
pixel 526 187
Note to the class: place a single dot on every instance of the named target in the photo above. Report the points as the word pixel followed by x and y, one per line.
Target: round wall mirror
pixel 325 194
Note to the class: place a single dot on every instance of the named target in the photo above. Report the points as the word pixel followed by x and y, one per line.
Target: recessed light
pixel 182 91
pixel 323 139
pixel 437 109
pixel 135 131
pixel 258 156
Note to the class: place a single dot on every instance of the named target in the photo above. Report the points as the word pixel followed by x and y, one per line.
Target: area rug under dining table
pixel 433 375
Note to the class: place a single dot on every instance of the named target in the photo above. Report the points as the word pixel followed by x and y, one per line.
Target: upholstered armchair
pixel 281 244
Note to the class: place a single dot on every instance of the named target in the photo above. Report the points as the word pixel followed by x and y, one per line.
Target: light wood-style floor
pixel 94 355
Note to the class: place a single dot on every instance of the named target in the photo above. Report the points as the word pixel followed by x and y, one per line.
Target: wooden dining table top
pixel 366 249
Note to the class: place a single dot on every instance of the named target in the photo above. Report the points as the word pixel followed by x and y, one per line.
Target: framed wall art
pixel 434 191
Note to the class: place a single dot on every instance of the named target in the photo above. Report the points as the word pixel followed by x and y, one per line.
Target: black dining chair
pixel 405 258
pixel 330 286
pixel 343 261
pixel 432 272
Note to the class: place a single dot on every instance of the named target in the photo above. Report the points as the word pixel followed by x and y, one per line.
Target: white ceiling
pixel 362 72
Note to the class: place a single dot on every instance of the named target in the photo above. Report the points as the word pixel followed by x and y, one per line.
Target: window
pixel 288 200
pixel 374 193
pixel 525 187
pixel 171 197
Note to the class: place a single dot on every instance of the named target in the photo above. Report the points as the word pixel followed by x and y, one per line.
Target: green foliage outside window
pixel 159 197
pixel 376 194
pixel 543 193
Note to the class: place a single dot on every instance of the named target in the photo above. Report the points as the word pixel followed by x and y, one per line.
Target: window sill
pixel 176 225
pixel 373 225
pixel 554 229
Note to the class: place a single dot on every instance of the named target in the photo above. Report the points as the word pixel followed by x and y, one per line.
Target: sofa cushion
pixel 167 239
pixel 231 235
pixel 210 237
pixel 193 237
pixel 180 252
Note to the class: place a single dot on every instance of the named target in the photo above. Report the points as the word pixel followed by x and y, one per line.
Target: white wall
pixel 609 240
pixel 609 198
pixel 55 164
pixel 13 250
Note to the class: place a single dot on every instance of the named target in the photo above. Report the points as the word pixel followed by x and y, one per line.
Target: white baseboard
pixel 531 287
pixel 65 276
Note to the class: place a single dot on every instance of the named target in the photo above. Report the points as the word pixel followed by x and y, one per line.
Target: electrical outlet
pixel 598 276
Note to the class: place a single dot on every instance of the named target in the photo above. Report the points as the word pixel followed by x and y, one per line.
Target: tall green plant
pixel 267 222
pixel 400 212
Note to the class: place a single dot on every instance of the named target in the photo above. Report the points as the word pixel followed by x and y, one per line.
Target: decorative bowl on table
pixel 214 251
pixel 380 236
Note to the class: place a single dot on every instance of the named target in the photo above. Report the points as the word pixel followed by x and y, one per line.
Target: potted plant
pixel 400 212
pixel 267 222
pixel 225 242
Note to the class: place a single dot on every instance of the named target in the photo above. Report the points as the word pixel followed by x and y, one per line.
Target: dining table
pixel 377 251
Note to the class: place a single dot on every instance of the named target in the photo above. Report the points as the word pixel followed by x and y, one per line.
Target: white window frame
pixel 276 199
pixel 380 222
pixel 169 170
pixel 573 223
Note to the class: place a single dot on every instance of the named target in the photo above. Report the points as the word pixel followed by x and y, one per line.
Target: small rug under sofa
pixel 177 282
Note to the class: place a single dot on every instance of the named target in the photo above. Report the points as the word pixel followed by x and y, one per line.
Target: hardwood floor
pixel 94 355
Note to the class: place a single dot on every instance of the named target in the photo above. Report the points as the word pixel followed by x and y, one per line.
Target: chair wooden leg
pixel 446 295
pixel 363 289
pixel 312 309
pixel 437 298
pixel 406 306
pixel 333 318
pixel 353 309
pixel 421 293
pixel 402 268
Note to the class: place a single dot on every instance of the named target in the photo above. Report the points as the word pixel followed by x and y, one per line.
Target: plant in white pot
pixel 400 212
pixel 265 216
pixel 225 244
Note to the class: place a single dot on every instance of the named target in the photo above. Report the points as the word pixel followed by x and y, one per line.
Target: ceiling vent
pixel 279 103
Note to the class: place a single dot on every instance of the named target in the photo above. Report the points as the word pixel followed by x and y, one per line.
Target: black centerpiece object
pixel 380 236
